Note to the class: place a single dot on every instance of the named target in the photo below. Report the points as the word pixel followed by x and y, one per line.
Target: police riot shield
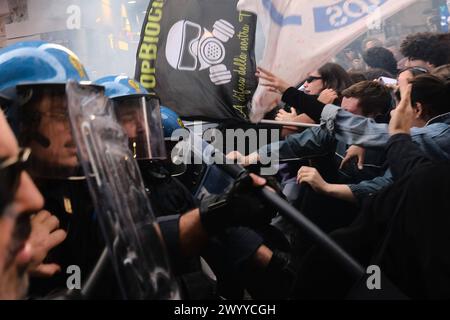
pixel 131 233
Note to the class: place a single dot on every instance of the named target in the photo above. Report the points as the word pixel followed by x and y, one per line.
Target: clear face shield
pixel 130 231
pixel 44 127
pixel 140 118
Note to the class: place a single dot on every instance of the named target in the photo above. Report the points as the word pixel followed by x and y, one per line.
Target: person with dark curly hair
pixel 428 50
pixel 381 58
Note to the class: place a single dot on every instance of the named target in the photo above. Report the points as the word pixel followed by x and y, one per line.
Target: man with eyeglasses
pixel 26 233
pixel 46 128
pixel 34 78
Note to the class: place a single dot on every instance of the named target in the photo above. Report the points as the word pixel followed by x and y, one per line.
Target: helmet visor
pixel 140 118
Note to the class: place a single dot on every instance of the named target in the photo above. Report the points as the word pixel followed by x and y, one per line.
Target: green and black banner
pixel 198 56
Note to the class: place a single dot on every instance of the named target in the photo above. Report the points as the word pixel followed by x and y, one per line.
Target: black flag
pixel 198 56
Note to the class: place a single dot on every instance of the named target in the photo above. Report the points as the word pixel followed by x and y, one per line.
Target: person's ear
pixel 418 110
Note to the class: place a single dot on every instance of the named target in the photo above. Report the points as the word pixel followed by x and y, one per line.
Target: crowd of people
pixel 375 176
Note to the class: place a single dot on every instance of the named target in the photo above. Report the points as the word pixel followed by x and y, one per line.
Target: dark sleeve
pixel 304 103
pixel 311 142
pixel 404 155
pixel 170 230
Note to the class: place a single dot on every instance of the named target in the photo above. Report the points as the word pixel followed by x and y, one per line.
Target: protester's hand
pixel 241 206
pixel 45 235
pixel 312 177
pixel 236 156
pixel 354 152
pixel 328 96
pixel 244 161
pixel 271 81
pixel 287 116
pixel 402 117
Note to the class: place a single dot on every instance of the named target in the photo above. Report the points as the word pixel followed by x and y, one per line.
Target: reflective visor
pixel 140 118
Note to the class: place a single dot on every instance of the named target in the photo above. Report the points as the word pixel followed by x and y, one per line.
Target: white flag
pixel 302 35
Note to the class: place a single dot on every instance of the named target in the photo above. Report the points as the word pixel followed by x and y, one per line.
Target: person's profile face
pixel 412 62
pixel 14 254
pixel 350 53
pixel 54 125
pixel 131 119
pixel 314 84
pixel 351 104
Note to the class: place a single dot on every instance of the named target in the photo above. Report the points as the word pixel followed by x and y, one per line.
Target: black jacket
pixel 403 230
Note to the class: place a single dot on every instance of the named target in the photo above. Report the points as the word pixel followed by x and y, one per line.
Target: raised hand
pixel 402 117
pixel 271 81
pixel 328 96
pixel 45 235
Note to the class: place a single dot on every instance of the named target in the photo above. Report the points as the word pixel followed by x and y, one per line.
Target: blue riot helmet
pixel 32 62
pixel 34 76
pixel 171 122
pixel 35 62
pixel 138 112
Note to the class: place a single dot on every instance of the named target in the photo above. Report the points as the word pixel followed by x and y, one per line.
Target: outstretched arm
pixel 312 177
pixel 304 103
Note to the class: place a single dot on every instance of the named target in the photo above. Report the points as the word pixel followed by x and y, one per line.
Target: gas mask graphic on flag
pixel 189 45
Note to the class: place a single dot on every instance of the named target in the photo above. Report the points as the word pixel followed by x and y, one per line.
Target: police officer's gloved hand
pixel 241 206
